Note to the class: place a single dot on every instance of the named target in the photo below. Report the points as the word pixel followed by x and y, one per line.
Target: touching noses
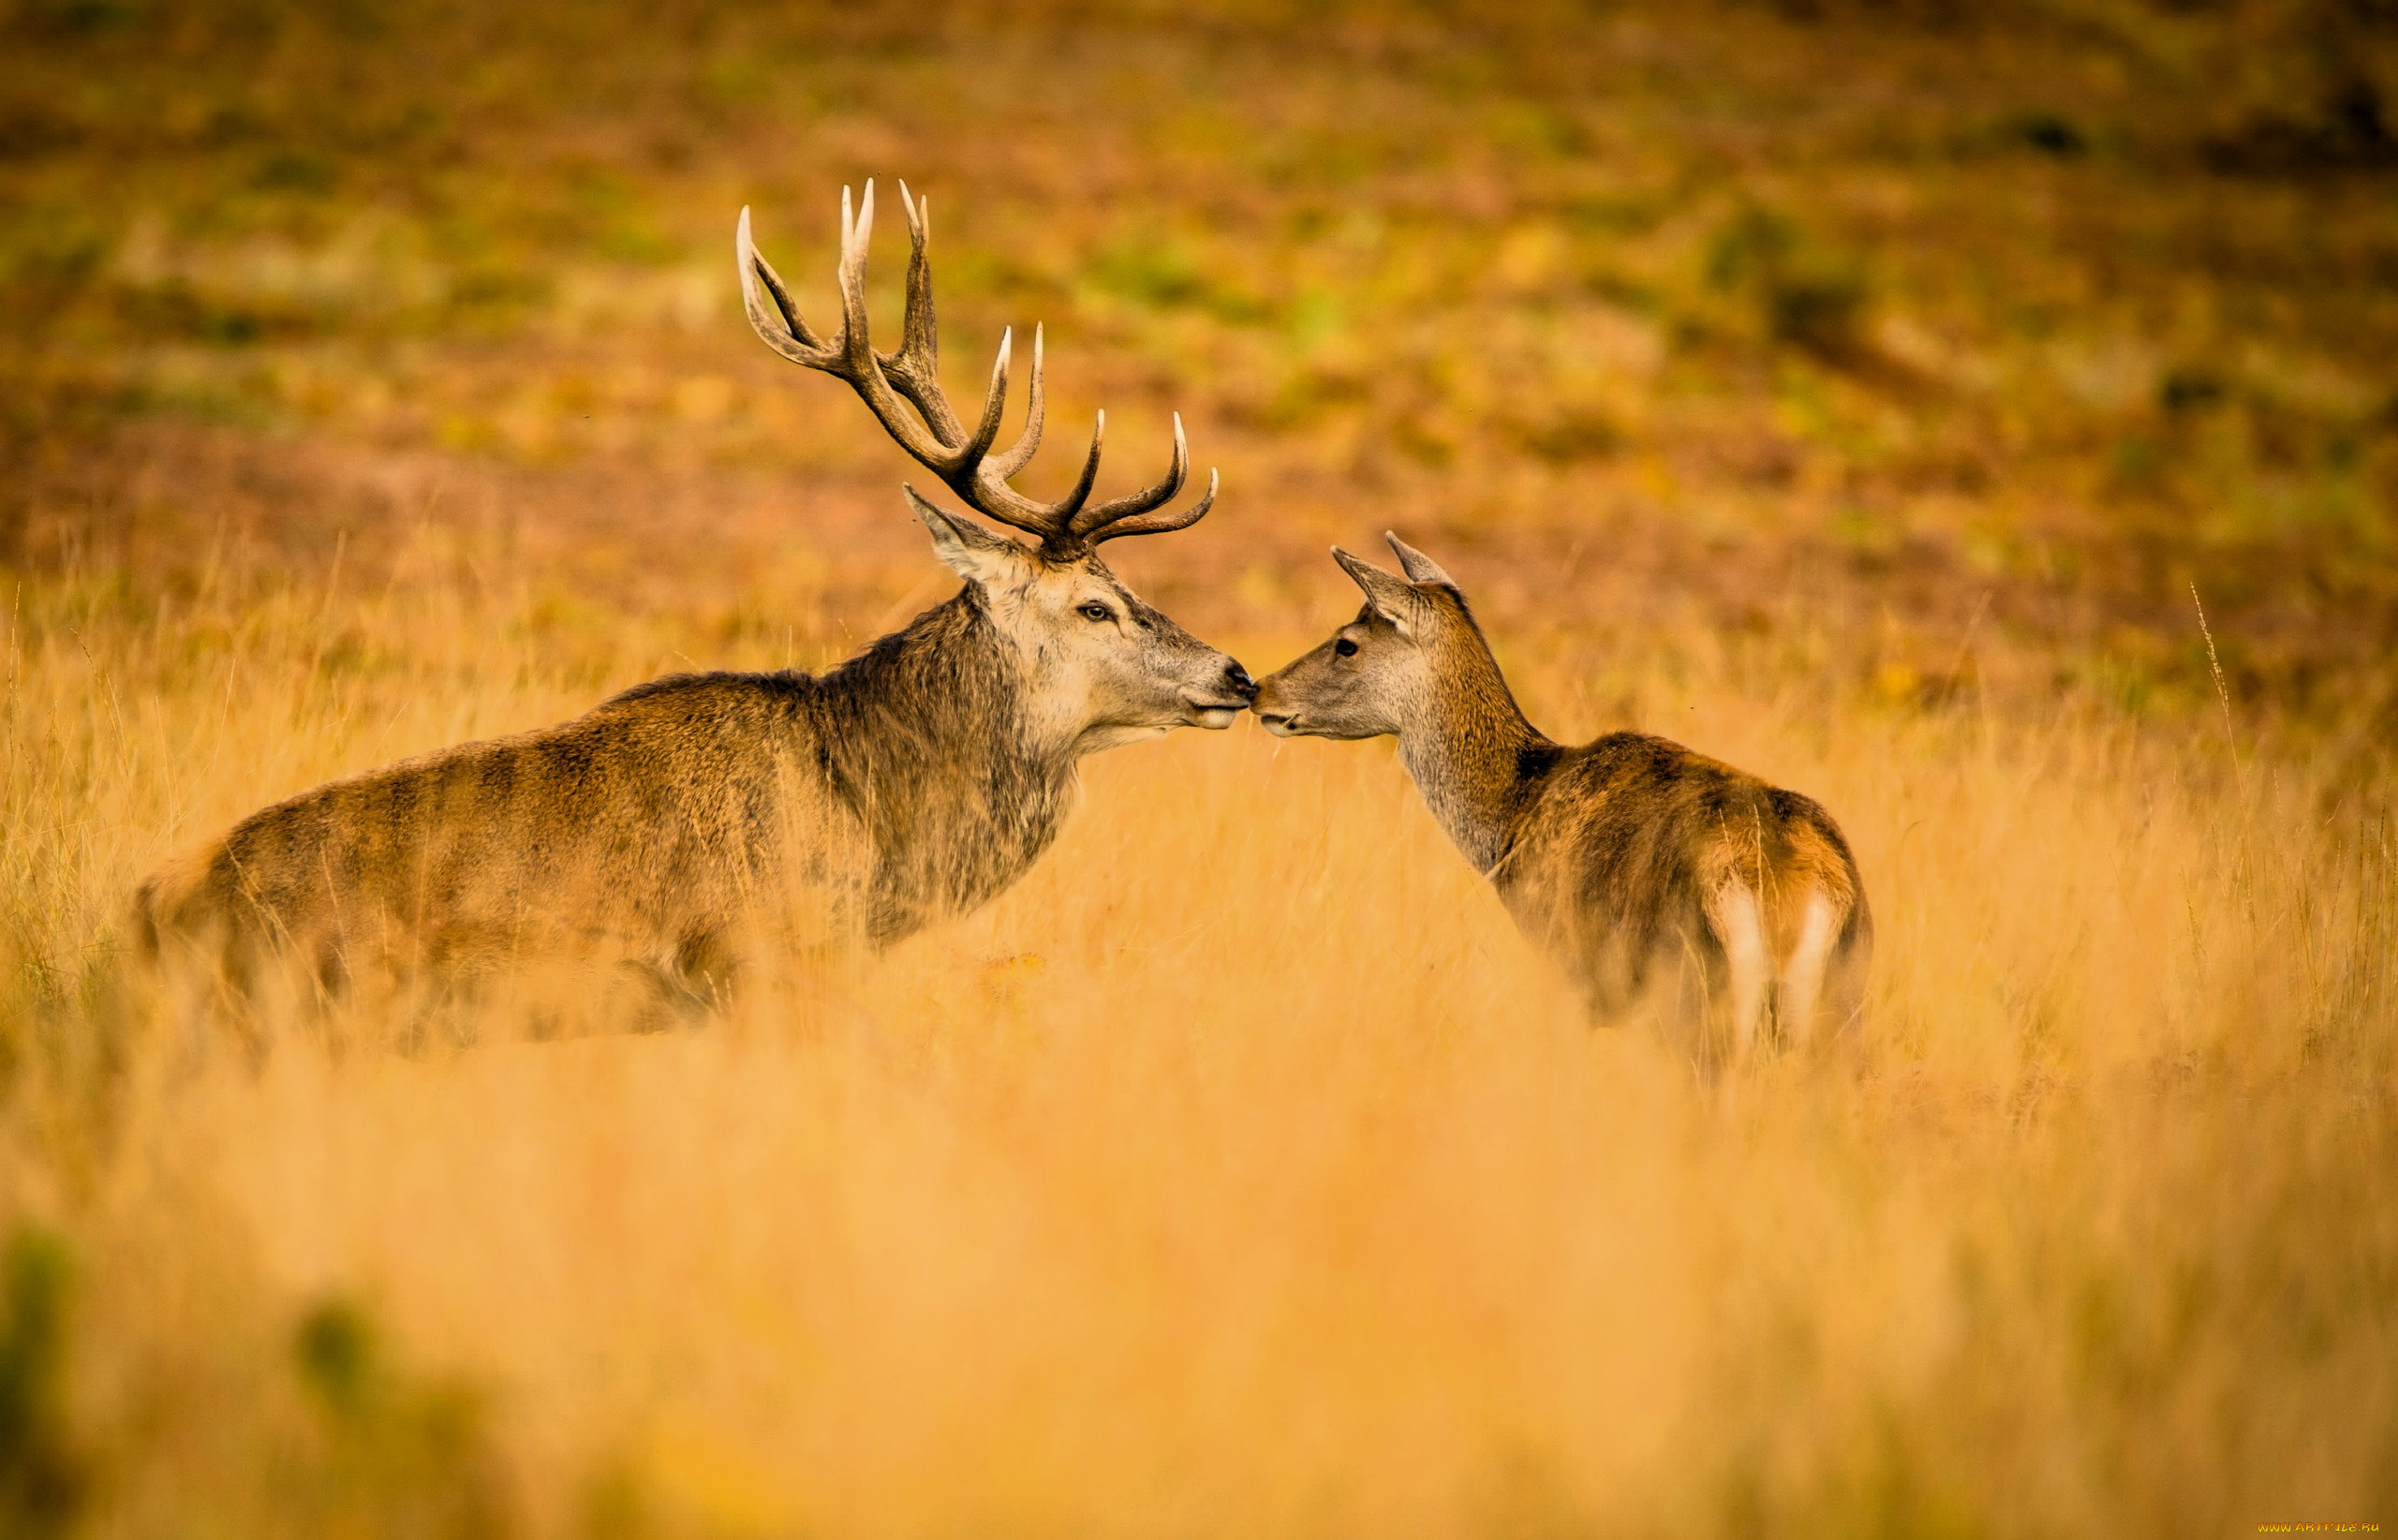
pixel 1236 679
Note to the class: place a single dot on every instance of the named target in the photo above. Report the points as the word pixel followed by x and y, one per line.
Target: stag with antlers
pixel 671 827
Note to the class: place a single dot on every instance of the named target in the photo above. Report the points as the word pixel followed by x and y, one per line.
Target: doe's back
pixel 1645 865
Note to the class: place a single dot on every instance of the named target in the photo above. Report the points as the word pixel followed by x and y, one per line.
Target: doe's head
pixel 1382 671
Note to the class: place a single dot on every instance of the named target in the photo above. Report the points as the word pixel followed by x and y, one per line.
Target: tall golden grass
pixel 1241 1172
pixel 1851 390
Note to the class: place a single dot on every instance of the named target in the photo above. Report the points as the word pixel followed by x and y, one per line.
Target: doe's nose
pixel 1238 679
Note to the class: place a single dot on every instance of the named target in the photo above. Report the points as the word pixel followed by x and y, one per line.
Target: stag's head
pixel 1413 646
pixel 1106 667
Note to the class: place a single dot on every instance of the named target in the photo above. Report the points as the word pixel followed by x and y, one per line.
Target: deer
pixel 671 827
pixel 1645 868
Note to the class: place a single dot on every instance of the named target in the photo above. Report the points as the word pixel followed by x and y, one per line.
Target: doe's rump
pixel 1663 877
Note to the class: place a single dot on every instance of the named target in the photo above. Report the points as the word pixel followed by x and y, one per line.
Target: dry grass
pixel 370 381
pixel 1239 1172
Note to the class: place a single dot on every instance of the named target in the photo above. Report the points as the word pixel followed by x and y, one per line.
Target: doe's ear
pixel 1392 597
pixel 965 547
pixel 1418 566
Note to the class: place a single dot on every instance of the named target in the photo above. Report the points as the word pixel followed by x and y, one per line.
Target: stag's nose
pixel 1236 679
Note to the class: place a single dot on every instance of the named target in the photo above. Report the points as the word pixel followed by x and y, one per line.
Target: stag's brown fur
pixel 894 788
pixel 1634 860
pixel 672 825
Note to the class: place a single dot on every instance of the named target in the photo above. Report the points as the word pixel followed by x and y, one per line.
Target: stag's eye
pixel 1345 648
pixel 1095 611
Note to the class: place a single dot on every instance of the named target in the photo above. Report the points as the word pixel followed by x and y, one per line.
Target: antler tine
pixel 1060 513
pixel 995 404
pixel 857 348
pixel 780 329
pixel 915 370
pixel 1036 413
pixel 919 337
pixel 1093 520
pixel 975 479
pixel 1160 524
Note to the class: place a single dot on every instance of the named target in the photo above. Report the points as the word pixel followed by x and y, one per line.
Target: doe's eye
pixel 1095 611
pixel 1345 648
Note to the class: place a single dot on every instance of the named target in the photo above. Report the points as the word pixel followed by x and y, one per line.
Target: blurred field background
pixel 1867 394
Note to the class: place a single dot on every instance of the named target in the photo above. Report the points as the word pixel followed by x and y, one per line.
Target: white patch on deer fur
pixel 1802 974
pixel 1739 925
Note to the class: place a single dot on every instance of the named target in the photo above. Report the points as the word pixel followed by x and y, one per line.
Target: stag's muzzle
pixel 1215 709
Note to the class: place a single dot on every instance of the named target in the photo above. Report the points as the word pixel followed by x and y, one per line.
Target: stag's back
pixel 645 827
pixel 673 826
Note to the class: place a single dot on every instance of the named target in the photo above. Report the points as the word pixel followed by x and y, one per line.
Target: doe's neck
pixel 1472 753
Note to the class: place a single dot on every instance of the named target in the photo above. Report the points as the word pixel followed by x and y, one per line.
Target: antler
pixel 933 432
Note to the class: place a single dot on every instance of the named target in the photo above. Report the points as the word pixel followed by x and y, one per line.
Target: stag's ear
pixel 966 548
pixel 1418 566
pixel 1391 596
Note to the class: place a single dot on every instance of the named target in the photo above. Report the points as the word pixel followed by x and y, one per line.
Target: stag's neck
pixel 946 689
pixel 933 737
pixel 1474 756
